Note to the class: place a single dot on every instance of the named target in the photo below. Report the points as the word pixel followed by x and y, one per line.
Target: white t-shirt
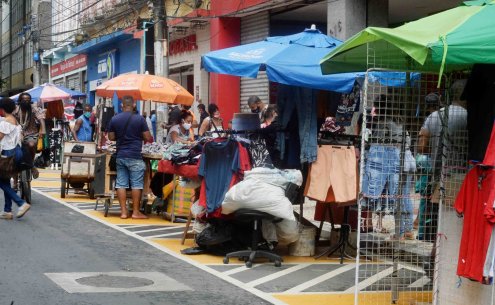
pixel 176 128
pixel 12 135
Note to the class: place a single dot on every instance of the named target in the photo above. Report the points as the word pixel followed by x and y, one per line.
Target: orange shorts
pixel 335 168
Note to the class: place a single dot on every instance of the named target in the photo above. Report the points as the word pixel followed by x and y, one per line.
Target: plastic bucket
pixel 305 246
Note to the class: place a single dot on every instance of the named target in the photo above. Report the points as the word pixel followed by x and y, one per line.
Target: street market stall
pixel 443 47
pixel 140 87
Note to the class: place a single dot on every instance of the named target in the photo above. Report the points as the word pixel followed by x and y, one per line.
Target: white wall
pixel 449 293
pixel 194 58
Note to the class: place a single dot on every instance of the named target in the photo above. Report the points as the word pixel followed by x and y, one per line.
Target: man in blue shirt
pixel 129 130
pixel 82 130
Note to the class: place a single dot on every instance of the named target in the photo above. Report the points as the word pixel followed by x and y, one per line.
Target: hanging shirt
pixel 219 162
pixel 222 165
pixel 85 131
pixel 476 193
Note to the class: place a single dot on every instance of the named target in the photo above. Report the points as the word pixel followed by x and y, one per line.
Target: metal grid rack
pixel 413 161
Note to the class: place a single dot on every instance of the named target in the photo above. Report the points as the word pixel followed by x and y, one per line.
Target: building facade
pixel 17 49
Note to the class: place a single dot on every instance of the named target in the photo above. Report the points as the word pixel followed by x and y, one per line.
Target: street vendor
pixel 182 132
pixel 83 131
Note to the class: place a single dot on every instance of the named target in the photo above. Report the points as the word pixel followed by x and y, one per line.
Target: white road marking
pixel 158 229
pixel 276 275
pixel 320 279
pixel 371 280
pixel 237 270
pixel 162 235
pixel 420 282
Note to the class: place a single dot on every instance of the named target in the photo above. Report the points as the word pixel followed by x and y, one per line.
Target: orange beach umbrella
pixel 146 87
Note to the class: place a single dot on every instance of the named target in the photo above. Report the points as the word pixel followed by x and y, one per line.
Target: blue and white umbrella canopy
pixel 291 60
pixel 50 92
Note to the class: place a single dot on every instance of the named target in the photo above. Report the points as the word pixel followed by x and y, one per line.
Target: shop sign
pixel 186 44
pixel 107 65
pixel 68 65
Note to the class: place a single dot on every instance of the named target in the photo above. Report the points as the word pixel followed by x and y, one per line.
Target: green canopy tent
pixel 447 41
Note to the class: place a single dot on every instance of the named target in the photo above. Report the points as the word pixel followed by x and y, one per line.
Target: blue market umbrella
pixel 50 92
pixel 291 60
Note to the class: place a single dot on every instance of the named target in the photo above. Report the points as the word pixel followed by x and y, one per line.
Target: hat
pixel 432 99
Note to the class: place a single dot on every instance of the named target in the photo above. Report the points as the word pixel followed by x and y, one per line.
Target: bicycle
pixel 24 179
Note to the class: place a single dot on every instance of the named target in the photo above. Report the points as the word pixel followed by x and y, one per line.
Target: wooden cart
pixel 82 169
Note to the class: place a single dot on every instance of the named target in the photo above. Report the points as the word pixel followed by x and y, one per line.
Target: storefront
pixel 185 49
pixel 70 72
pixel 109 56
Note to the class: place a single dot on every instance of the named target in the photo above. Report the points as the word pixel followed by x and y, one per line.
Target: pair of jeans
pixel 303 101
pixel 130 170
pixel 407 213
pixel 381 175
pixel 9 194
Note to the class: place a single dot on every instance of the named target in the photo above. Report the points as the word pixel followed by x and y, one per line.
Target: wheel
pixel 25 188
pixel 107 206
pixel 91 191
pixel 278 263
pixel 225 260
pixel 249 264
pixel 63 188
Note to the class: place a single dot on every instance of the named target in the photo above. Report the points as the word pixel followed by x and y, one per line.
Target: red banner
pixel 186 44
pixel 70 64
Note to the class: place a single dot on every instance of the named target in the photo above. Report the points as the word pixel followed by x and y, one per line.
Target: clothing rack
pixel 329 138
pixel 344 234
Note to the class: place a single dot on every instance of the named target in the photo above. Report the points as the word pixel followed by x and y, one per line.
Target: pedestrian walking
pixel 129 131
pixel 10 138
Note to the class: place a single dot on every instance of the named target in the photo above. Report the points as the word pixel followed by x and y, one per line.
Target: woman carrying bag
pixel 10 139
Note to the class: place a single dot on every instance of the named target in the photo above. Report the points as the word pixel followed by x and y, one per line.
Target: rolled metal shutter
pixel 254 28
pixel 59 82
pixel 74 82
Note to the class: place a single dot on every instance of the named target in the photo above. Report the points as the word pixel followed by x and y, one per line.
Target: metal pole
pixel 35 34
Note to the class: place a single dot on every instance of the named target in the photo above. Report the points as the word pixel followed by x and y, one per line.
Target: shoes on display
pixel 6 215
pixel 22 210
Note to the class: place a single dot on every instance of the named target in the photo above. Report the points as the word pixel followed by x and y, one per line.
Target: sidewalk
pixel 300 280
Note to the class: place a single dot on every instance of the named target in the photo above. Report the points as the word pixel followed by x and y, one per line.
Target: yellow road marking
pixel 114 218
pixel 371 298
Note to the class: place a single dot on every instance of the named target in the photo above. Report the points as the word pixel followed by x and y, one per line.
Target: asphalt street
pixel 55 242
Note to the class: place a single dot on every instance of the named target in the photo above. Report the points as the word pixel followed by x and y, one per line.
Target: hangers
pixel 329 138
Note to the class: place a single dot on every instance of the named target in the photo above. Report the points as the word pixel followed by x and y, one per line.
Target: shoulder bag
pixel 113 159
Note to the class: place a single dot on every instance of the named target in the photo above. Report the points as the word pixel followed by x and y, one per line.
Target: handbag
pixel 39 145
pixel 9 170
pixel 112 164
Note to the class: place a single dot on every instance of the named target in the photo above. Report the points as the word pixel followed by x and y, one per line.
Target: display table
pixel 148 174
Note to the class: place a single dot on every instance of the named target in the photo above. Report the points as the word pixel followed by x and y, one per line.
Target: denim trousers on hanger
pixel 382 169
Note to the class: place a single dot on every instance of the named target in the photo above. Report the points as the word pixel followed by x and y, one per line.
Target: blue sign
pixel 107 65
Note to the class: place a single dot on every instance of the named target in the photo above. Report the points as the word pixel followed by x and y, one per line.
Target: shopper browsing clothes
pixel 83 131
pixel 129 131
pixel 257 106
pixel 182 132
pixel 430 144
pixel 213 123
pixel 10 138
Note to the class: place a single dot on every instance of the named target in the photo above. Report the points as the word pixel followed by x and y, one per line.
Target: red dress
pixel 477 192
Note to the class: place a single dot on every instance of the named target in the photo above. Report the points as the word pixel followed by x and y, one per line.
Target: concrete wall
pixel 449 293
pixel 348 17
